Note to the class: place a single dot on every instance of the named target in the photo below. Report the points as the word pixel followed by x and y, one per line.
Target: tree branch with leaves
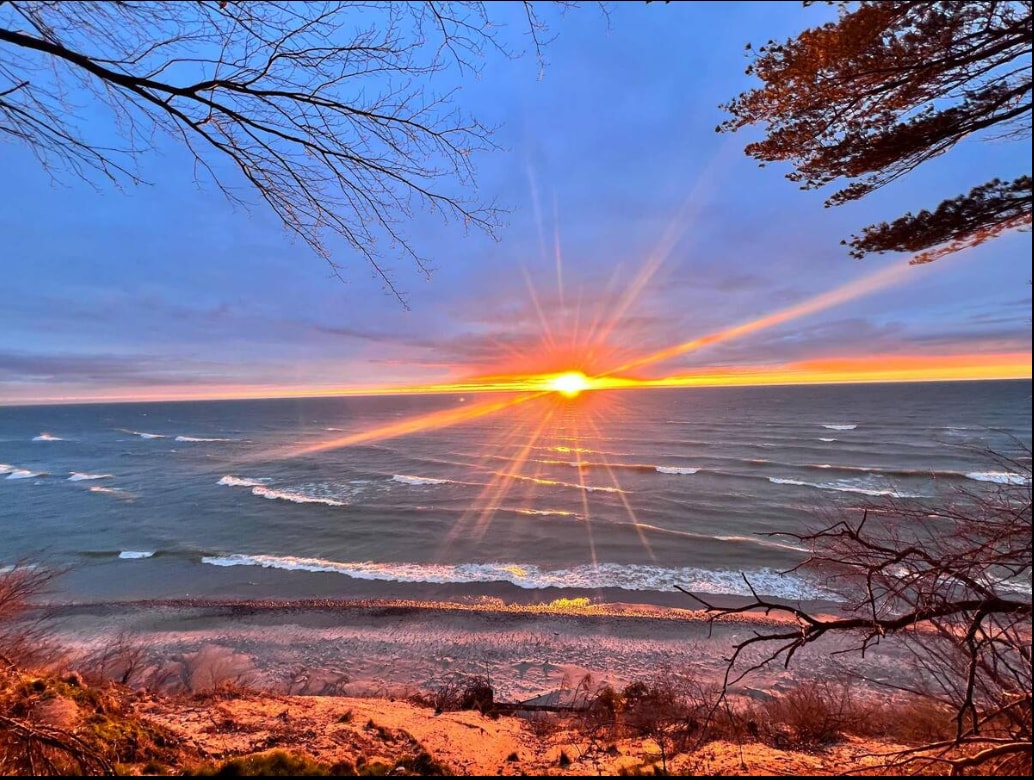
pixel 886 87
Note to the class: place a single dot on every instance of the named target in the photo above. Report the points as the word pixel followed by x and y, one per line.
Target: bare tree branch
pixel 952 583
pixel 326 109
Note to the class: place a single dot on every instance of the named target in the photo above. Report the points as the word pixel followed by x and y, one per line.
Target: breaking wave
pixel 232 481
pixel 840 427
pixel 309 493
pixel 113 491
pixel 143 434
pixel 845 487
pixel 82 476
pixel 635 577
pixel 198 439
pixel 1001 477
pixel 47 437
pixel 543 512
pixel 13 473
pixel 675 470
pixel 651 467
pixel 294 497
pixel 406 479
pixel 134 554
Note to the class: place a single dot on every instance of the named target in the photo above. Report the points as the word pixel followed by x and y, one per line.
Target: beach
pixel 396 648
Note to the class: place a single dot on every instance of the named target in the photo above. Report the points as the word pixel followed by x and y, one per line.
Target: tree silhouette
pixel 325 109
pixel 883 89
pixel 952 583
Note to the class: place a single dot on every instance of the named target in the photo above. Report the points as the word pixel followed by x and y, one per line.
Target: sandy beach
pixel 386 648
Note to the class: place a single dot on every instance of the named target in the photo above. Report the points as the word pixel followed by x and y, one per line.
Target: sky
pixel 637 243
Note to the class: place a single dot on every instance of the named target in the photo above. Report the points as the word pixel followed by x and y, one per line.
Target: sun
pixel 569 384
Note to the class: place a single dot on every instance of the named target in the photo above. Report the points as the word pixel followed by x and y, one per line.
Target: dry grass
pixel 61 725
pixel 808 716
pixel 88 722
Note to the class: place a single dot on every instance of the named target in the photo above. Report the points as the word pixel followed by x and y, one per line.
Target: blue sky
pixel 166 290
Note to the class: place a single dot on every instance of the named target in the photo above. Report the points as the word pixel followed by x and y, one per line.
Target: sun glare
pixel 569 384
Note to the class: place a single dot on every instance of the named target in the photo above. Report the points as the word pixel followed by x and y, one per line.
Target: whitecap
pixel 294 497
pixel 545 512
pixel 134 554
pixel 676 470
pixel 232 481
pixel 845 487
pixel 143 434
pixel 198 439
pixel 821 439
pixel 635 577
pixel 24 474
pixel 113 491
pixel 82 476
pixel 558 483
pixel 406 479
pixel 839 427
pixel 47 437
pixel 5 469
pixel 1000 477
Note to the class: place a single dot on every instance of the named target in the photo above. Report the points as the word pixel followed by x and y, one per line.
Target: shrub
pixel 425 765
pixel 478 694
pixel 814 714
pixel 277 763
pixel 23 637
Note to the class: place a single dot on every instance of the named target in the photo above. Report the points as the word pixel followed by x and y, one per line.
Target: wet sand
pixel 395 647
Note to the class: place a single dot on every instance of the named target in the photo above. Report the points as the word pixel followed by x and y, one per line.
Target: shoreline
pixel 563 607
pixel 396 647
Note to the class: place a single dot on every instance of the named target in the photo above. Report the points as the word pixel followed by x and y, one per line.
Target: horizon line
pixel 431 391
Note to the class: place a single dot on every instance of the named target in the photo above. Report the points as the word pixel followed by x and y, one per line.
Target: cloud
pixel 105 369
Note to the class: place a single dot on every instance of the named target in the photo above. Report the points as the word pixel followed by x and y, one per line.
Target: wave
pixel 406 479
pixel 197 439
pixel 5 469
pixel 113 491
pixel 134 554
pixel 302 494
pixel 845 487
pixel 588 465
pixel 622 466
pixel 822 439
pixel 293 497
pixel 636 577
pixel 542 512
pixel 82 476
pixel 143 434
pixel 559 483
pixel 47 437
pixel 232 481
pixel 14 473
pixel 840 427
pixel 676 470
pixel 882 470
pixel 1001 477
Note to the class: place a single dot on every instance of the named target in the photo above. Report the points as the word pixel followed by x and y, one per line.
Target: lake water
pixel 615 495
